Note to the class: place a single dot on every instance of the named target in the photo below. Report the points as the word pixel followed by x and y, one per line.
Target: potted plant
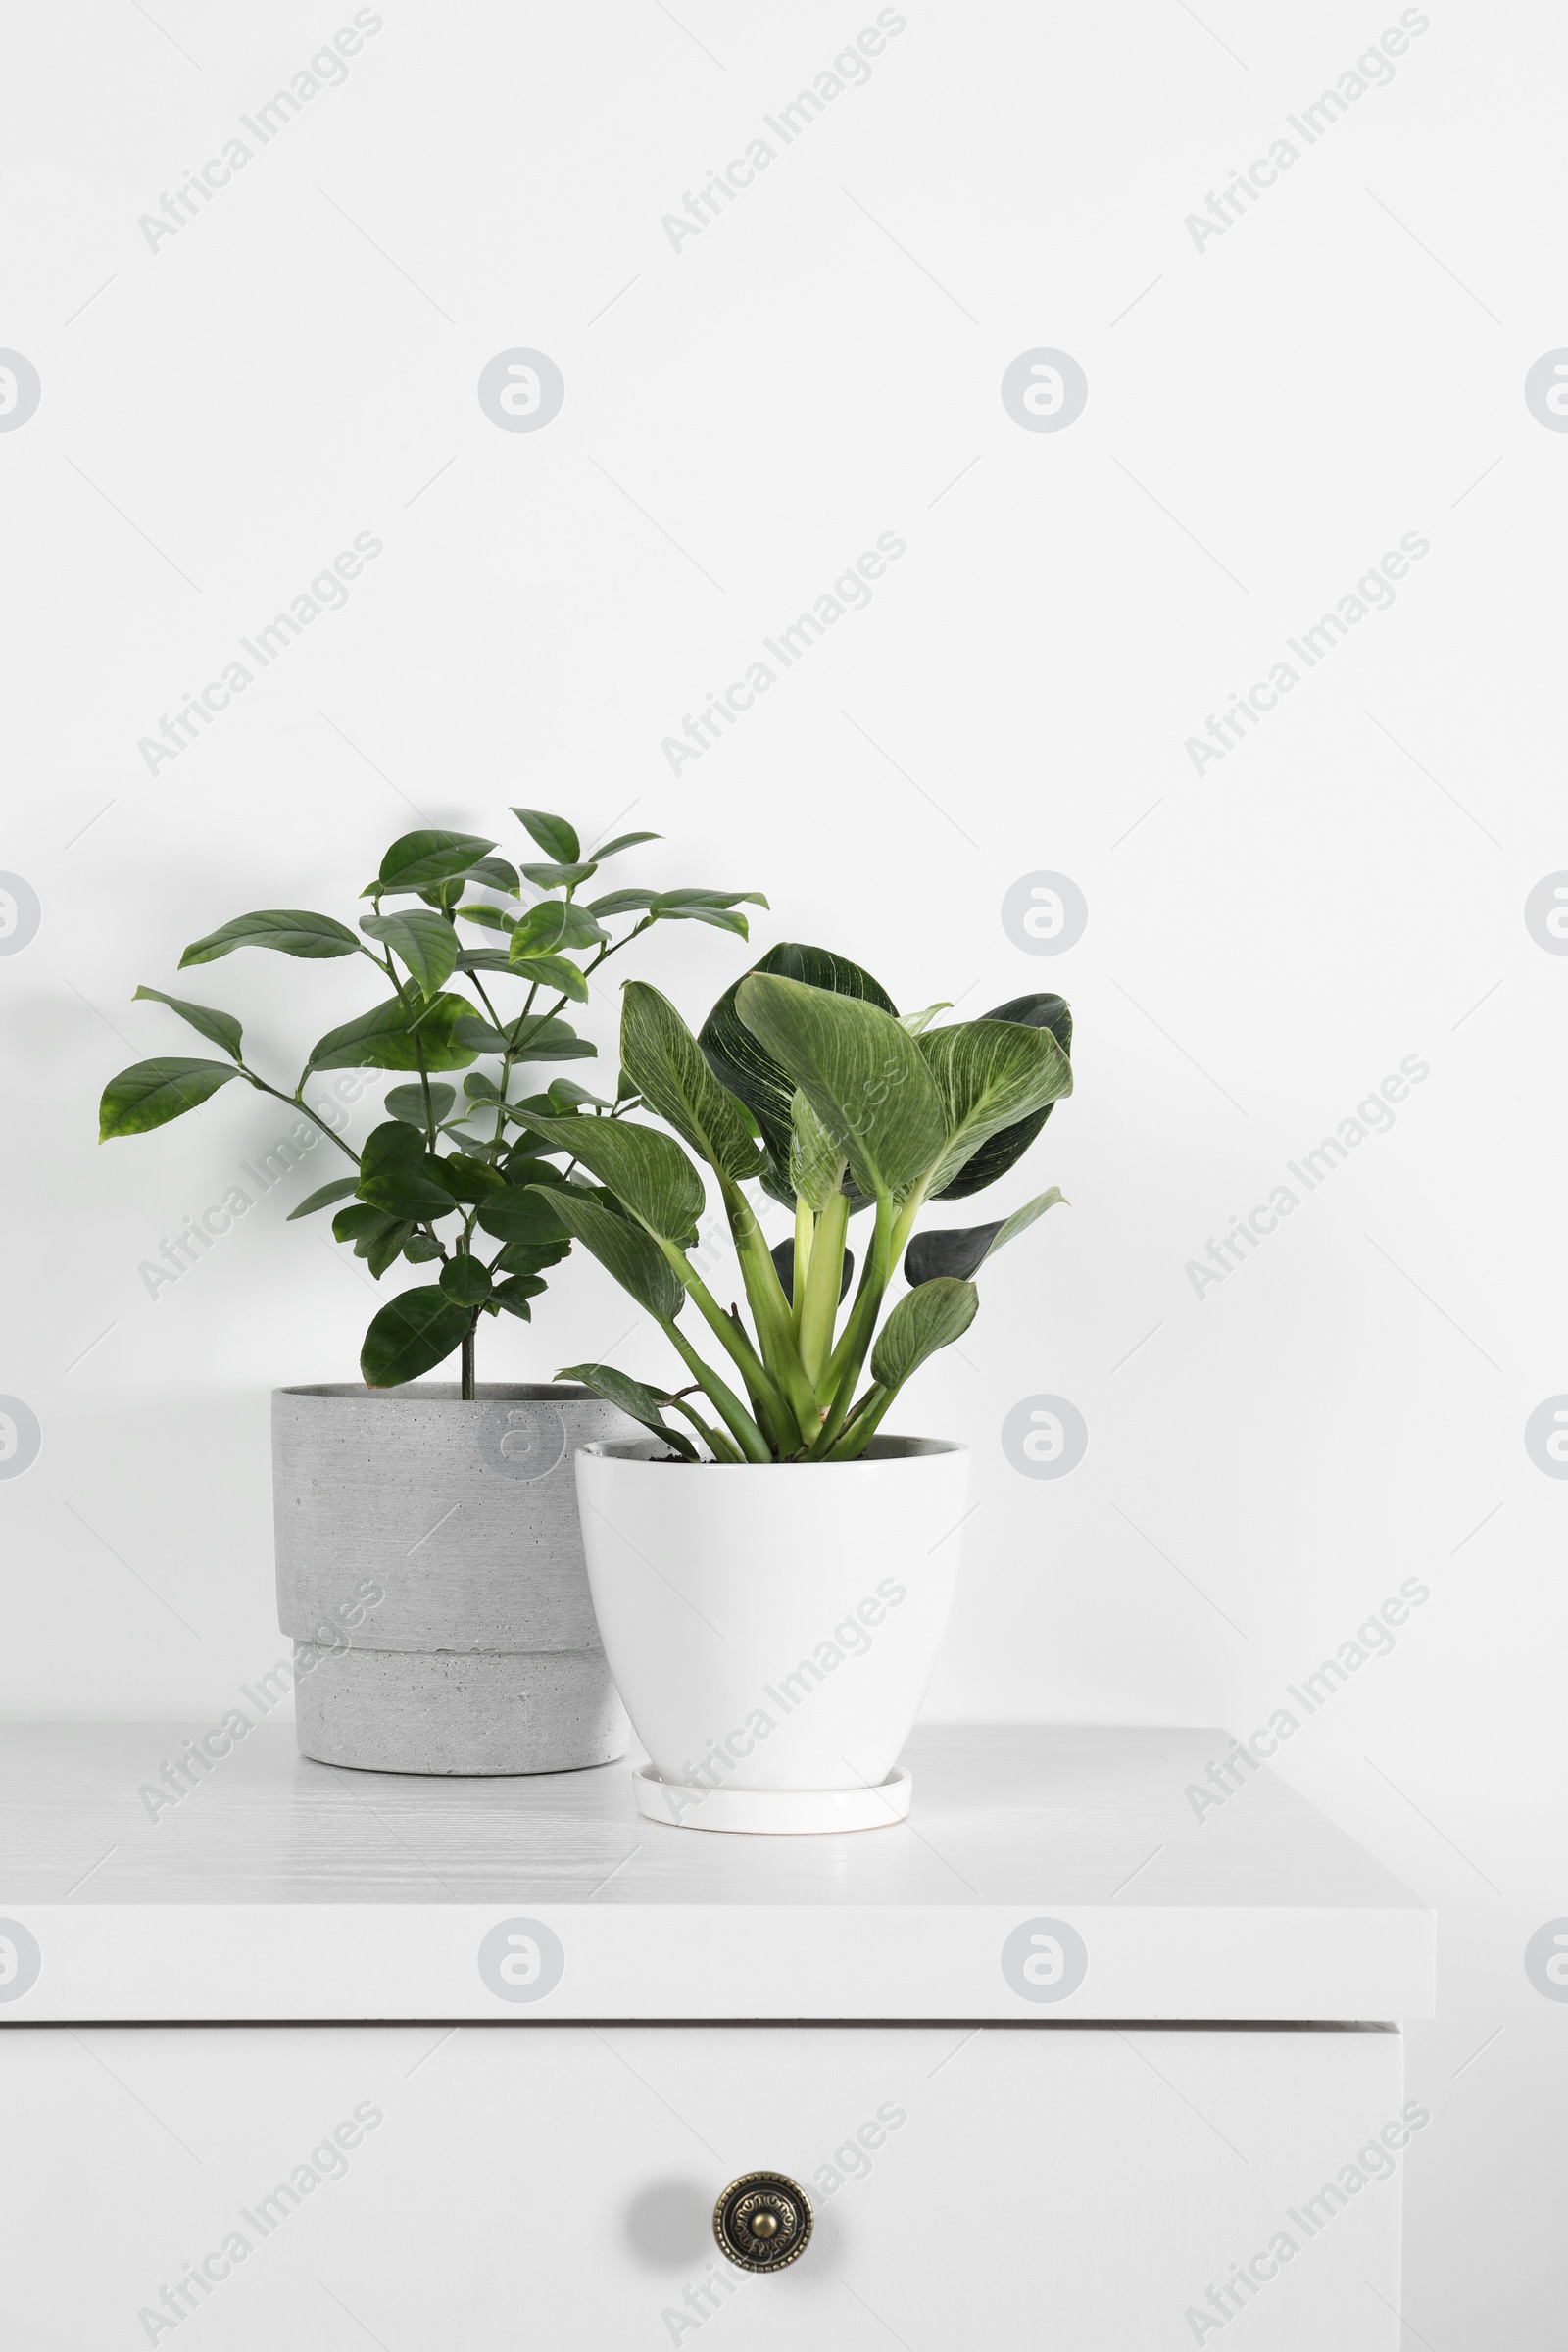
pixel 772 1588
pixel 454 1499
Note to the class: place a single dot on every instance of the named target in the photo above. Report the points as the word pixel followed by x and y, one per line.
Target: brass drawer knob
pixel 762 2221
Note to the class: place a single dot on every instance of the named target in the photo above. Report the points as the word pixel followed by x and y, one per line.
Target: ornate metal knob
pixel 763 2222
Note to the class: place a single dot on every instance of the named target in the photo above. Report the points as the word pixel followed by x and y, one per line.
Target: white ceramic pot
pixel 772 1629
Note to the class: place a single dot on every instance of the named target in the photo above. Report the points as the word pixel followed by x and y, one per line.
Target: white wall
pixel 1268 412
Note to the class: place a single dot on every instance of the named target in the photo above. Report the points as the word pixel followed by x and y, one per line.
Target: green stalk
pixel 819 1304
pixel 737 1420
pixel 736 1343
pixel 862 1423
pixel 844 1368
pixel 805 1237
pixel 719 1447
pixel 770 1311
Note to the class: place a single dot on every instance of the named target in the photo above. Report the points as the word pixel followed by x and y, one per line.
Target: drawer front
pixel 479 2186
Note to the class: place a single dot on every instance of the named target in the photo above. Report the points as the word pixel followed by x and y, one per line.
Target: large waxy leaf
pixel 624 901
pixel 469 1177
pixel 924 1320
pixel 407 1102
pixel 989 1074
pixel 514 1294
pixel 152 1093
pixel 324 1197
pixel 515 1214
pixel 496 873
pixel 863 1074
pixel 554 835
pixel 427 943
pixel 417 861
pixel 638 1264
pixel 634 1397
pixel 783 1257
pixel 1004 1151
pixel 291 930
pixel 411 1335
pixel 220 1028
pixel 740 1061
pixel 558 877
pixel 383 1039
pixel 962 1250
pixel 665 1065
pixel 397 1173
pixel 647 1171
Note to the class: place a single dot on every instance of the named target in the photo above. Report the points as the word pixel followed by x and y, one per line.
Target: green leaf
pixel 925 1319
pixel 739 1060
pixel 686 897
pixel 426 942
pixel 387 1247
pixel 995 1158
pixel 152 1093
pixel 532 1257
pixel 554 835
pixel 495 873
pixel 493 918
pixel 863 1076
pixel 472 1179
pixel 407 1102
pixel 620 1247
pixel 528 1037
pixel 421 1248
pixel 647 1172
pixel 988 1075
pixel 397 1174
pixel 564 1094
pixel 550 971
pixel 622 841
pixel 666 1064
pixel 361 1224
pixel 634 1398
pixel 624 901
pixel 515 1291
pixel 291 930
pixel 466 1280
pixel 338 1190
pixel 962 1250
pixel 556 923
pixel 514 1212
pixel 220 1028
pixel 413 1332
pixel 914 1022
pixel 558 877
pixel 417 861
pixel 383 1037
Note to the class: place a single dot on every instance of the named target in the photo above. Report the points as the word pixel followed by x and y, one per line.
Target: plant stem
pixel 805 1240
pixel 468 1360
pixel 737 1420
pixel 718 1447
pixel 820 1303
pixel 862 1423
pixel 770 1311
pixel 851 1353
pixel 298 1101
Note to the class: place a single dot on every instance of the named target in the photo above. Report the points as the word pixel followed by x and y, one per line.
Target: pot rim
pixel 448 1391
pixel 639 1453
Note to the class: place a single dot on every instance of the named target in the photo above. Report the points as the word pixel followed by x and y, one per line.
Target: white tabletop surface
pixel 280 1888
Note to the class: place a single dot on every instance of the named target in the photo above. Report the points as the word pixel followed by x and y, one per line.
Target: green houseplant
pixel 457 1498
pixel 772 1638
pixel 437 1182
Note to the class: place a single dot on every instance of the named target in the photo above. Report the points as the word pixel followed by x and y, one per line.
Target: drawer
pixel 489 2185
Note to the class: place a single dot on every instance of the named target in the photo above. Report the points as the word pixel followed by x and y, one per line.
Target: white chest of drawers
pixel 324 2058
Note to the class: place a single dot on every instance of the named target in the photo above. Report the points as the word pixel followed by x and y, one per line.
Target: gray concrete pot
pixel 431 1571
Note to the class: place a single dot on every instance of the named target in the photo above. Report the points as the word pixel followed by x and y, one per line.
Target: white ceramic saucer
pixel 775 1812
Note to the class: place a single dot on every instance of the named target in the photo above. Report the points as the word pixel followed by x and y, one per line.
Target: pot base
pixel 772 1812
pixel 451 1711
